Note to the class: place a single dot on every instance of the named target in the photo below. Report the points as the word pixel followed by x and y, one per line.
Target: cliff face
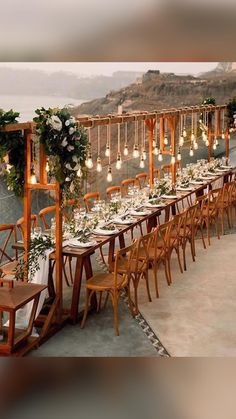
pixel 159 91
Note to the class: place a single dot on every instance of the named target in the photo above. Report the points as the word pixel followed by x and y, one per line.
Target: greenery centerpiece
pixel 231 115
pixel 12 157
pixel 66 147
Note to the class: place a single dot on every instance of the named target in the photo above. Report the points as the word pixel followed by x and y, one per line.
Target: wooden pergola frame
pixel 57 315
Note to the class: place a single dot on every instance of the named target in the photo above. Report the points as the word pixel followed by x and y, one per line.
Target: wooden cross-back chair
pixel 89 198
pixel 52 209
pixel 112 283
pixel 112 190
pixel 142 179
pixel 166 169
pixel 21 224
pixel 156 173
pixel 126 183
pixel 8 263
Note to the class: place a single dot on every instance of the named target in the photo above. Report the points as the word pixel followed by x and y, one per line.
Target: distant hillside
pixel 158 91
pixel 35 82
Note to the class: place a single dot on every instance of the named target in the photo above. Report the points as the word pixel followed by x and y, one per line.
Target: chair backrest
pixel 68 207
pixel 9 232
pixel 126 183
pixel 163 236
pixel 111 190
pixel 89 198
pixel 156 173
pixel 123 258
pixel 166 169
pixel 214 196
pixel 142 179
pixel 43 213
pixel 141 251
pixel 21 224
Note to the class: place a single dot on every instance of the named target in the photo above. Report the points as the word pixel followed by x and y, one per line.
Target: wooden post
pixel 27 198
pixel 150 124
pixel 42 165
pixel 218 122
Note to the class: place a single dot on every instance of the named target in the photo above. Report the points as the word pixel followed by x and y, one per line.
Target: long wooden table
pixel 83 256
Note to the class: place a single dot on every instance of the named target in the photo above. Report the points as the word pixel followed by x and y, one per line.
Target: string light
pixel 191 152
pixel 179 155
pixel 33 178
pixel 156 150
pixel 99 160
pixel 195 145
pixel 107 151
pixel 184 129
pixel 89 159
pixel 135 149
pixel 118 159
pixel 144 153
pixel 223 124
pixel 109 174
pixel 172 159
pixel 181 137
pixel 160 156
pixel 126 149
pixel 47 166
pixel 142 163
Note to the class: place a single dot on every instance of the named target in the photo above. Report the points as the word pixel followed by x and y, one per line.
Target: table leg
pixel 151 223
pixel 89 273
pixel 76 290
pixel 122 241
pixel 111 253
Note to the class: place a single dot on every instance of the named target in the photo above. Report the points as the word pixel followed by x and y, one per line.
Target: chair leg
pixel 135 285
pixel 184 254
pixel 179 261
pixel 88 296
pixel 147 285
pixel 102 256
pixel 222 222
pixel 228 217
pixel 115 310
pixel 208 231
pixel 99 302
pixel 169 270
pixel 155 279
pixel 202 236
pixel 192 248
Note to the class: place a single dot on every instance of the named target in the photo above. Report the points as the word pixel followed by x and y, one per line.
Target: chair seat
pixel 9 268
pixel 103 281
pixel 140 267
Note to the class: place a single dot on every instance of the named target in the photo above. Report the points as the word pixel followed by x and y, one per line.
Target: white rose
pixel 71 130
pixel 72 120
pixel 68 166
pixel 67 123
pixel 72 188
pixel 55 123
pixel 64 142
pixel 67 179
pixel 70 147
pixel 74 159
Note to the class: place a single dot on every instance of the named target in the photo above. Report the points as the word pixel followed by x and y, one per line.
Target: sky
pixel 106 68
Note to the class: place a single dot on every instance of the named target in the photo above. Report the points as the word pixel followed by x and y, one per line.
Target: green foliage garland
pixel 12 144
pixel 65 145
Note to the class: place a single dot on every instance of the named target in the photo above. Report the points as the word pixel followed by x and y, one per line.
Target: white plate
pixel 169 196
pixel 100 231
pixel 206 178
pixel 211 174
pixel 227 167
pixel 196 182
pixel 184 189
pixel 123 222
pixel 77 243
pixel 222 170
pixel 141 213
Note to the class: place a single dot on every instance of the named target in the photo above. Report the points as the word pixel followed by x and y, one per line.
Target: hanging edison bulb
pixel 135 151
pixel 79 172
pixel 99 164
pixel 144 153
pixel 33 179
pixel 118 161
pixel 109 174
pixel 217 142
pixel 195 145
pixel 89 161
pixel 181 140
pixel 222 135
pixel 184 133
pixel 107 151
pixel 160 156
pixel 154 143
pixel 172 159
pixel 156 151
pixel 204 136
pixel 142 163
pixel 214 145
pixel 166 139
pixel 191 152
pixel 207 142
pixel 179 155
pixel 126 150
pixel 192 137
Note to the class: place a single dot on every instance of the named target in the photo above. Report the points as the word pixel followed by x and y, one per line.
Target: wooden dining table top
pixel 101 240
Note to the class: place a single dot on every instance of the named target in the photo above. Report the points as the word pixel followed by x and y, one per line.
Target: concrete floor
pixel 196 316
